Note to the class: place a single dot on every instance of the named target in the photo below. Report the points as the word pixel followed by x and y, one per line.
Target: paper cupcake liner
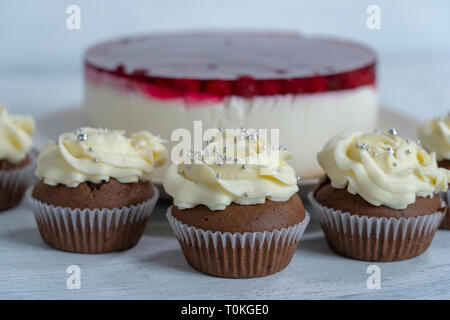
pixel 237 255
pixel 92 231
pixel 13 185
pixel 376 239
pixel 445 224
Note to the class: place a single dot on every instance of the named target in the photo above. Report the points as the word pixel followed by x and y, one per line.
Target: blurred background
pixel 41 59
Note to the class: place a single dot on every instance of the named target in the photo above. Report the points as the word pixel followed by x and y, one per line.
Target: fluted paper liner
pixel 374 238
pixel 237 255
pixel 92 231
pixel 445 224
pixel 13 184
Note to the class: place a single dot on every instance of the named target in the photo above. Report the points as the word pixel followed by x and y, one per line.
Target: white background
pixel 41 60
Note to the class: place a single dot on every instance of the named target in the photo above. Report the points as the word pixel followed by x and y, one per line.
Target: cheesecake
pixel 311 88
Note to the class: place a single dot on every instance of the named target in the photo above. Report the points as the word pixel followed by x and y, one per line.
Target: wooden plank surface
pixel 156 269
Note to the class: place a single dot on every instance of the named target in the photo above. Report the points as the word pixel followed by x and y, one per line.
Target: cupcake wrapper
pixel 237 255
pixel 13 185
pixel 376 239
pixel 92 231
pixel 445 224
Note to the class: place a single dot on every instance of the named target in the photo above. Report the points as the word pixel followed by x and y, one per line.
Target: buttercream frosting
pixel 235 166
pixel 382 168
pixel 435 136
pixel 97 155
pixel 15 136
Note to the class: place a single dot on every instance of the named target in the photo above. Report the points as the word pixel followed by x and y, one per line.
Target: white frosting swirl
pixel 435 136
pixel 235 167
pixel 97 155
pixel 382 168
pixel 15 136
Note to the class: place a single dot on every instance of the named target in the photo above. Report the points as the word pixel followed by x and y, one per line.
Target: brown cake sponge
pixel 6 165
pixel 110 194
pixel 444 164
pixel 267 216
pixel 341 199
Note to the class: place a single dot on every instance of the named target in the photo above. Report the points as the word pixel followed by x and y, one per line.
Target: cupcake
pixel 16 162
pixel 378 200
pixel 435 137
pixel 95 194
pixel 236 212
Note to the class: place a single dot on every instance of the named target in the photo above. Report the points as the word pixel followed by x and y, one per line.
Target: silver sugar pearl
pixel 246 194
pixel 91 149
pixel 244 166
pixel 409 151
pixel 299 178
pixel 218 175
pixel 390 149
pixel 180 171
pixel 393 132
pixel 395 164
pixel 95 160
pixel 375 154
pixel 82 136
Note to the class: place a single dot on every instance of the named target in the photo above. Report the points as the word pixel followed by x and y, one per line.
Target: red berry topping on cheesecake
pixel 220 64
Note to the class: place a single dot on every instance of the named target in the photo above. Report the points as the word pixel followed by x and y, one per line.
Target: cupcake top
pixel 15 136
pixel 97 155
pixel 435 136
pixel 234 166
pixel 382 168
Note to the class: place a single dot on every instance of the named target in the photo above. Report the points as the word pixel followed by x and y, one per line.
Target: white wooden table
pixel 156 269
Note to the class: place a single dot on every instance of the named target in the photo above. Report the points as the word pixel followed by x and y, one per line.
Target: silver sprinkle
pixel 377 131
pixel 91 149
pixel 395 164
pixel 375 154
pixel 82 136
pixel 188 165
pixel 393 132
pixel 253 136
pixel 390 149
pixel 364 145
pixel 299 178
pixel 409 151
pixel 95 160
pixel 244 166
pixel 221 129
pixel 357 144
pixel 418 141
pixel 180 171
pixel 246 194
pixel 218 175
pixel 408 140
pixel 235 139
pixel 368 149
pixel 224 149
pixel 243 129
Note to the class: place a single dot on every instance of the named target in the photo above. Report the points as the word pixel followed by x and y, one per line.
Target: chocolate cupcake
pixel 377 201
pixel 95 193
pixel 435 137
pixel 16 162
pixel 236 212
